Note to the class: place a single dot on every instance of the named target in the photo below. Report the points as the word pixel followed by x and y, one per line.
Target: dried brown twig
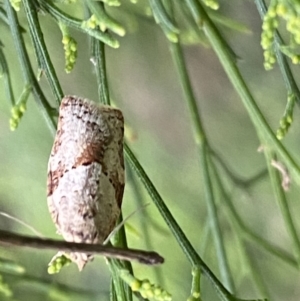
pixel 144 257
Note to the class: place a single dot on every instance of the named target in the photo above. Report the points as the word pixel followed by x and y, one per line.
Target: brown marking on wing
pixel 54 177
pixel 119 194
pixel 119 187
pixel 93 152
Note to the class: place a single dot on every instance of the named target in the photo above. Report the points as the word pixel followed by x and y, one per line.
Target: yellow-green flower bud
pixel 281 9
pixel 135 285
pixel 295 59
pixel 280 134
pixel 22 107
pixel 65 40
pixel 146 284
pixel 13 124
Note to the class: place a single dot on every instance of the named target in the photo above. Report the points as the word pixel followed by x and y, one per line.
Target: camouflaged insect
pixel 86 172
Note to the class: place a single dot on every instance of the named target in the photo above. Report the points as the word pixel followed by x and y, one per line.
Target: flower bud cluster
pixel 17 112
pixel 290 14
pixel 149 290
pixel 287 118
pixel 70 47
pixel 57 263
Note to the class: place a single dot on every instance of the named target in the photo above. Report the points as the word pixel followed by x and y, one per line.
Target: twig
pixel 144 257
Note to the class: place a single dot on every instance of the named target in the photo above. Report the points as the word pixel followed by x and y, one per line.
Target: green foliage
pixel 4 288
pixel 191 22
pixel 16 4
pixel 70 48
pixel 145 288
pixel 287 119
pixel 19 109
pixel 289 12
pixel 57 263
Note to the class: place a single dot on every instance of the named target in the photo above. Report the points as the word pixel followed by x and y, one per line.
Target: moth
pixel 86 172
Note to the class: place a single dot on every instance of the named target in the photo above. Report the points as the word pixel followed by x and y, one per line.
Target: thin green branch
pixel 98 10
pixel 284 67
pixel 4 72
pixel 191 29
pixel 244 183
pixel 193 7
pixel 122 242
pixel 164 211
pixel 3 15
pixel 254 270
pixel 199 135
pixel 229 65
pixel 240 229
pixel 228 22
pixel 195 290
pixel 283 204
pixel 41 49
pixel 118 287
pixel 262 243
pixel 144 225
pixel 26 68
pixel 122 291
pixel 45 285
pixel 11 267
pixel 98 58
pixel 248 233
pixel 180 237
pixel 112 292
pixel 162 16
pixel 77 24
pixel 203 150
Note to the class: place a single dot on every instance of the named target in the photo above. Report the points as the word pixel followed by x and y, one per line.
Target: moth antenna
pixel 118 227
pixel 15 219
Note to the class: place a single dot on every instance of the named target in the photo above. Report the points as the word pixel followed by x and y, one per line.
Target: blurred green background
pixel 144 85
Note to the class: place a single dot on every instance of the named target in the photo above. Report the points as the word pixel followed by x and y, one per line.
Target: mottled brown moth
pixel 86 172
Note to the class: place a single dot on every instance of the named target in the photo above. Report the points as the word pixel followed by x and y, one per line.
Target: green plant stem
pixel 236 179
pixel 11 267
pixel 42 52
pixel 284 67
pixel 26 68
pixel 230 23
pixel 138 197
pixel 240 86
pixel 180 237
pixel 254 270
pixel 4 72
pixel 122 242
pixel 97 8
pixel 247 232
pixel 262 243
pixel 283 204
pixel 244 233
pixel 98 55
pixel 3 16
pixel 118 287
pixel 60 16
pixel 195 290
pixel 112 293
pixel 240 229
pixel 162 16
pixel 122 291
pixel 203 150
pixel 48 286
